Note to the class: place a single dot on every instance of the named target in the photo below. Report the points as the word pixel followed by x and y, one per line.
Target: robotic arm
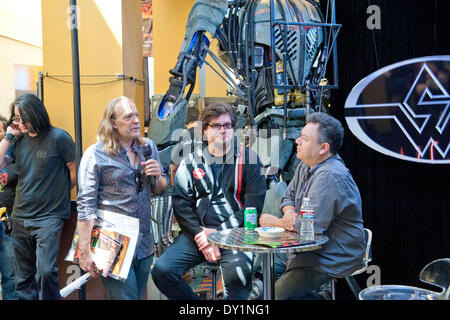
pixel 205 16
pixel 273 54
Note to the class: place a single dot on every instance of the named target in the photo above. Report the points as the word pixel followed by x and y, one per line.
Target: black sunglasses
pixel 137 179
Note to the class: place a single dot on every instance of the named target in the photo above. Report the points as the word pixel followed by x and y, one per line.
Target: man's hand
pixel 87 263
pixel 151 167
pixel 14 129
pixel 289 220
pixel 212 254
pixel 269 220
pixel 201 238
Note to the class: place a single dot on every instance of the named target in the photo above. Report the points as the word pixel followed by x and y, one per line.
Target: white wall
pixel 20 43
pixel 13 52
pixel 21 20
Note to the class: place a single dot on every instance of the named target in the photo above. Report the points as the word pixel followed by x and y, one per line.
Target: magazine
pixel 113 242
pixel 114 235
pixel 106 246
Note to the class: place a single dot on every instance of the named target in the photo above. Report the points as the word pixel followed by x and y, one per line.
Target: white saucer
pixel 269 232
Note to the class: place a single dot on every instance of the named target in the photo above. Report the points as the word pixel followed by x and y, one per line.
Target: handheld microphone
pixel 147 153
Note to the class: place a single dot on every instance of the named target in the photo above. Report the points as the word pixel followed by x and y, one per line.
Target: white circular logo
pixel 403 110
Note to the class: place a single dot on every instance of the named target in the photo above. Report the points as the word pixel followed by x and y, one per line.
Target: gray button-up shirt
pixel 336 201
pixel 108 182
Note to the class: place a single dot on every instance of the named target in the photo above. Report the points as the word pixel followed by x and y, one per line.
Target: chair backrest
pixel 367 253
pixel 437 273
pixel 162 214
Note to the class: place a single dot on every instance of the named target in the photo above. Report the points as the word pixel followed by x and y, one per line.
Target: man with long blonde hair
pixel 120 173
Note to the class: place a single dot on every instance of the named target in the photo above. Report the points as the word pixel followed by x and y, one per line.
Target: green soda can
pixel 250 219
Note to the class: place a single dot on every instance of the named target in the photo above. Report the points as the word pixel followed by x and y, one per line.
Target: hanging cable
pixel 119 77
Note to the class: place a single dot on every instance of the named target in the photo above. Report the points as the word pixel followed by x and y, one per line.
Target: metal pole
pixel 269 291
pixel 146 94
pixel 335 57
pixel 40 86
pixel 76 99
pixel 76 80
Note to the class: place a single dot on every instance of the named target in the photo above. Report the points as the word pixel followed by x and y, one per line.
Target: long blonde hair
pixel 106 132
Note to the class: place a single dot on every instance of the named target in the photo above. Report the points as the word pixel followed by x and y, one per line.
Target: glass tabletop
pixel 397 292
pixel 241 240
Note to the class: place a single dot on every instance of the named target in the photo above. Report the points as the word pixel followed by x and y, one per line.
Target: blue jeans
pixel 136 283
pixel 299 283
pixel 36 248
pixel 183 254
pixel 7 267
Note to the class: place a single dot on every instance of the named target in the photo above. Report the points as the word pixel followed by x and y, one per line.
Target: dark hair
pixel 192 115
pixel 33 113
pixel 215 110
pixel 330 130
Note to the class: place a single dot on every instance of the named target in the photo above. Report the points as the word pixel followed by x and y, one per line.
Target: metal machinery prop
pixel 273 55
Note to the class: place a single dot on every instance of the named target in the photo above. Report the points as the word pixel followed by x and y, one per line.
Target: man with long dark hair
pixel 45 158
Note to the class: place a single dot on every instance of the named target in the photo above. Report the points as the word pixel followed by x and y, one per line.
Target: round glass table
pixel 397 292
pixel 240 240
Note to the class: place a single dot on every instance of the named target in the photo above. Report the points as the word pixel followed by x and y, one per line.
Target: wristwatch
pixel 10 137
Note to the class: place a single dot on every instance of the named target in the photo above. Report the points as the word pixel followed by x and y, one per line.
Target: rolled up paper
pixel 74 285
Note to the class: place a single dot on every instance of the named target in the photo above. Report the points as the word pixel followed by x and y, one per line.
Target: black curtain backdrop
pixel 405 204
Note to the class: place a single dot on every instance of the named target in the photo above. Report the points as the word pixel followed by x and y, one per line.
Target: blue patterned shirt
pixel 108 182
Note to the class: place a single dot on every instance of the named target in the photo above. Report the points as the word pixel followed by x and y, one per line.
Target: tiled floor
pixel 201 283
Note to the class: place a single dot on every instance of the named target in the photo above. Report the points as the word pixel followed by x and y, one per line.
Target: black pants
pixel 36 247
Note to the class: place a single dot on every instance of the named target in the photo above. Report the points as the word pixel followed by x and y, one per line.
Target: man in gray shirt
pixel 334 196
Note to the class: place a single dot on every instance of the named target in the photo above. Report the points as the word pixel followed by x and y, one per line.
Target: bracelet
pixel 10 137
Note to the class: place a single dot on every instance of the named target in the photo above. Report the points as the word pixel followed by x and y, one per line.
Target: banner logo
pixel 403 110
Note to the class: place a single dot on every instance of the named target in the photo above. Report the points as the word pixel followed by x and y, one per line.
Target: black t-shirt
pixel 219 210
pixel 43 187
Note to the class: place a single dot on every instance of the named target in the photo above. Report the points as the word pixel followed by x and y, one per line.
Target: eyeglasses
pixel 137 179
pixel 216 126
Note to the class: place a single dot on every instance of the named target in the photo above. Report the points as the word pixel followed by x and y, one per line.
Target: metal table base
pixel 234 239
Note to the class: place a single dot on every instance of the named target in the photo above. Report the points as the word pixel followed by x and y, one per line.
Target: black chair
pixel 162 216
pixel 211 269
